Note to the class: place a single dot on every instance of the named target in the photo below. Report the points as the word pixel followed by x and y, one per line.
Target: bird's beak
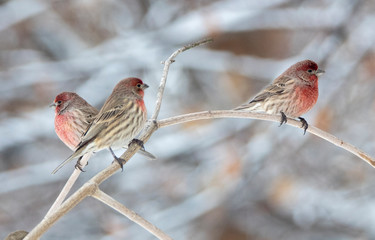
pixel 319 72
pixel 52 105
pixel 144 86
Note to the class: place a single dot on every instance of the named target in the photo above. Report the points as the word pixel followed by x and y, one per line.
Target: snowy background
pixel 225 179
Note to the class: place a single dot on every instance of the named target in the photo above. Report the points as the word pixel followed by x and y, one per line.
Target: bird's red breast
pixel 65 130
pixel 307 97
pixel 141 104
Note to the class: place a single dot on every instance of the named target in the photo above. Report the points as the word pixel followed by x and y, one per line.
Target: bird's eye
pixel 309 71
pixel 59 102
pixel 139 85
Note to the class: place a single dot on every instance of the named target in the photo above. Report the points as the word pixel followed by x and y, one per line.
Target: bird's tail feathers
pixel 149 155
pixel 63 163
pixel 80 151
pixel 146 154
pixel 251 106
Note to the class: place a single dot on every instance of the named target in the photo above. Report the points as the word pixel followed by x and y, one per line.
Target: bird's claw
pixel 79 165
pixel 121 162
pixel 284 119
pixel 138 142
pixel 305 125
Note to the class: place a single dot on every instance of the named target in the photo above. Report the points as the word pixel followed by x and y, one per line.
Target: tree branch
pixel 133 216
pixel 68 185
pixel 86 190
pixel 89 188
pixel 167 63
pixel 275 118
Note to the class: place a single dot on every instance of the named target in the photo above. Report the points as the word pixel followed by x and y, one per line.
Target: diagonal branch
pixel 133 216
pixel 68 185
pixel 275 118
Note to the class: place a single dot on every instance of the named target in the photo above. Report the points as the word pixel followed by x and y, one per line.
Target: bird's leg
pixel 305 125
pixel 79 165
pixel 119 160
pixel 283 119
pixel 138 142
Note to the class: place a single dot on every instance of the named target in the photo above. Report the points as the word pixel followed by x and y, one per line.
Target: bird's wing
pixel 106 115
pixel 90 114
pixel 280 86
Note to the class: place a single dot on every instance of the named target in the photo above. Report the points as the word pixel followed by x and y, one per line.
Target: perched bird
pixel 72 116
pixel 121 118
pixel 291 94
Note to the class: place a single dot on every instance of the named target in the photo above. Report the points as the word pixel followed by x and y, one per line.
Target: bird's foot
pixel 79 165
pixel 305 125
pixel 138 142
pixel 120 161
pixel 283 119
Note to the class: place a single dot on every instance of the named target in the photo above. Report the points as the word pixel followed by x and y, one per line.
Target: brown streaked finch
pixel 291 94
pixel 121 118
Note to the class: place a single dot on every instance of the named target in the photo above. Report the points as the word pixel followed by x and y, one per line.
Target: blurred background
pixel 227 179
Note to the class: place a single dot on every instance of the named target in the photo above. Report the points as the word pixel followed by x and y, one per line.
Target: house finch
pixel 72 116
pixel 121 118
pixel 291 94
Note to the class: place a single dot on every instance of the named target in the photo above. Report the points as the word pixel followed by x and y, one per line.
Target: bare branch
pixel 68 185
pixel 167 63
pixel 108 200
pixel 275 118
pixel 86 190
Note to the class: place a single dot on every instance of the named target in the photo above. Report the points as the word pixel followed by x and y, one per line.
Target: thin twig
pixel 108 200
pixel 68 185
pixel 167 63
pixel 275 118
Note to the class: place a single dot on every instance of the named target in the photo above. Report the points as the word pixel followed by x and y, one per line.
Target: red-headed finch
pixel 72 116
pixel 291 94
pixel 121 118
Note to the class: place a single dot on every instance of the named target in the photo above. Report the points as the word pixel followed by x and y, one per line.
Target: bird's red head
pixel 308 65
pixel 306 70
pixel 62 101
pixel 134 85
